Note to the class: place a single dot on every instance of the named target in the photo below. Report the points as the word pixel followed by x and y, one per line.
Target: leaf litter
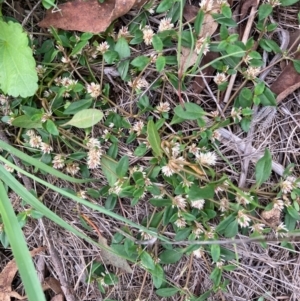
pixel 90 15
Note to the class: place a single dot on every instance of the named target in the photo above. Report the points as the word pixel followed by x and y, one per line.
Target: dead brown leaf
pixel 245 7
pixel 288 80
pixel 209 27
pixel 59 297
pixel 198 83
pixel 190 12
pixel 109 257
pixel 86 15
pixel 7 276
pixel 53 284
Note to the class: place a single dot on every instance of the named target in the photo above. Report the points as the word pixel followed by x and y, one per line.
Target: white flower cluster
pixel 35 141
pixel 94 153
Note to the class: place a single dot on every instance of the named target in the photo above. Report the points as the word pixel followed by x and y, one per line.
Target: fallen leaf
pixel 53 284
pixel 245 7
pixel 198 83
pixel 109 257
pixel 86 15
pixel 59 297
pixel 189 58
pixel 7 276
pixel 288 80
pixel 190 12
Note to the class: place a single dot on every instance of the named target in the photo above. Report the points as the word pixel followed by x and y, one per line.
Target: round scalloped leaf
pixel 17 65
pixel 85 118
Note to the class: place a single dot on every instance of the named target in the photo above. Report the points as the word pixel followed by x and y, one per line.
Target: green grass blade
pixel 39 164
pixel 19 248
pixel 16 186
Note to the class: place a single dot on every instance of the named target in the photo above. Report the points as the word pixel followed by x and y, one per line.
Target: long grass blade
pixel 19 248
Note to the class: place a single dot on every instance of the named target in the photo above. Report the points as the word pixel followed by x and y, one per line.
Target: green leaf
pixel 48 3
pixel 196 192
pixel 190 111
pixel 158 276
pixel 296 64
pixel 288 2
pixel 154 139
pixel 109 167
pixel 267 98
pixel 147 261
pixel 224 223
pixel 123 68
pixel 140 62
pixel 235 51
pixel 85 118
pixel 160 202
pixel 164 6
pixel 19 248
pixel 122 48
pixel 51 128
pixel 122 167
pixel 157 43
pixel 264 11
pixel 263 168
pixel 167 292
pixel 77 106
pixel 17 65
pixel 170 256
pixel 160 63
pixel 232 229
pixel 25 122
pixel 203 297
pixel 215 252
pixel 199 21
pixel 293 212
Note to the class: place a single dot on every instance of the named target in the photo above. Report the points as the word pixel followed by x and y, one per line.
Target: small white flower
pixel 243 219
pixel 72 168
pixel 58 161
pixel 163 107
pixel 194 149
pixel 180 223
pixel 286 186
pixel 81 194
pixel 148 35
pixel 138 127
pixel 278 204
pixel 102 47
pixel 165 24
pixel 202 45
pixel 274 2
pixel 199 253
pixel 206 5
pixel 252 72
pixel 244 199
pixel 35 141
pixel 93 143
pixel 220 78
pixel 236 114
pixel 179 202
pixel 198 204
pixel 138 83
pixel 281 230
pixel 123 32
pixel 8 168
pixel 3 99
pixel 257 228
pixel 93 89
pixel 207 159
pixel 65 60
pixel 46 148
pixel 224 205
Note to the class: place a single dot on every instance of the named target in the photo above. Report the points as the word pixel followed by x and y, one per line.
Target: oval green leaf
pixel 85 118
